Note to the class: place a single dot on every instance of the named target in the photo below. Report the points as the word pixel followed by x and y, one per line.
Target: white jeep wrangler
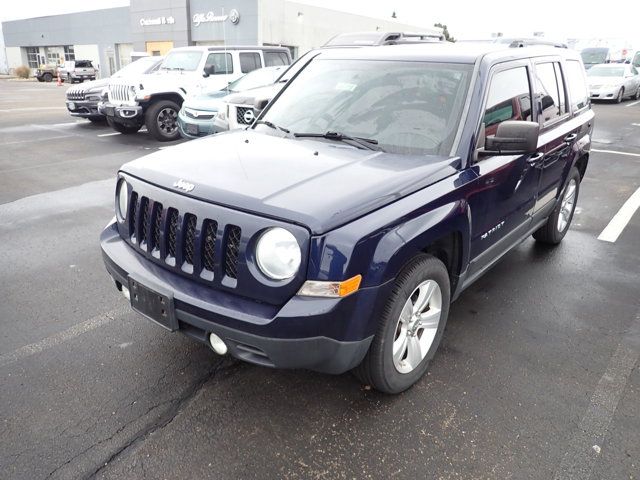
pixel 156 100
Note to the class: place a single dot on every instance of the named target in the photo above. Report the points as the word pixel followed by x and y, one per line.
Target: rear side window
pixel 274 59
pixel 577 84
pixel 83 64
pixel 222 63
pixel 550 90
pixel 249 61
pixel 509 98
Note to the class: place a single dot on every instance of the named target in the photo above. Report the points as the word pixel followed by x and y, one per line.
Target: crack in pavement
pixel 171 414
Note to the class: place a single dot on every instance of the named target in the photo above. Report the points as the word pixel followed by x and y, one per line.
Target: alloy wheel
pixel 417 326
pixel 567 205
pixel 168 120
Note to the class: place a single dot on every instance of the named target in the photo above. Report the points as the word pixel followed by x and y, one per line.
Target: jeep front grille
pixel 231 254
pixel 119 93
pixel 173 238
pixel 209 244
pixel 75 95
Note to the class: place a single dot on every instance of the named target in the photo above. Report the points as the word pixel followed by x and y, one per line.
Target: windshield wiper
pixel 273 125
pixel 367 143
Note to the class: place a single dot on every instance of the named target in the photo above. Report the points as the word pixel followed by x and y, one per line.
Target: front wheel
pixel 47 77
pixel 410 328
pixel 557 225
pixel 161 119
pixel 637 95
pixel 620 95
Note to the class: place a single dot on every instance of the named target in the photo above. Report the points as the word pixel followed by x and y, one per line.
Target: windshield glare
pixel 255 79
pixel 594 55
pixel 605 71
pixel 408 107
pixel 138 67
pixel 182 61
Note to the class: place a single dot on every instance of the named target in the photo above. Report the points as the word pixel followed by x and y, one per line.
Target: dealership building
pixel 108 37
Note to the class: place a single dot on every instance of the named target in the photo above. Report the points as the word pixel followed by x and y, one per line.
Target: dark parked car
pixel 334 233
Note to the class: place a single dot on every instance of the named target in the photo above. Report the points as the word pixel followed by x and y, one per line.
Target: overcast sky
pixel 559 19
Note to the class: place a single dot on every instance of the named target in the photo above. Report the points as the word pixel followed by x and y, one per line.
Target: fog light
pixel 217 344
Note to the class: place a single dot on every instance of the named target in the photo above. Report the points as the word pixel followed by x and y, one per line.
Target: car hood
pixel 210 102
pixel 316 183
pixel 605 81
pixel 248 97
pixel 92 85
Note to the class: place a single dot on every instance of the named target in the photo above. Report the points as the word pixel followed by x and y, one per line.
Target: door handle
pixel 535 159
pixel 571 137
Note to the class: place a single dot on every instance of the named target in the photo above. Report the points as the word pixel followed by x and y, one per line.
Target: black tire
pixel 47 77
pixel 637 95
pixel 124 129
pixel 161 120
pixel 40 79
pixel 550 232
pixel 620 95
pixel 377 368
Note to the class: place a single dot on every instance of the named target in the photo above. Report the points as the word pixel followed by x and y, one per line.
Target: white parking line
pixel 65 335
pixel 616 152
pixel 636 124
pixel 30 109
pixel 109 134
pixel 621 219
pixel 632 104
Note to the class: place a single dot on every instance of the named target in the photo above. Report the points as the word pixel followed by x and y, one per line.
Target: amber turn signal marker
pixel 349 286
pixel 316 288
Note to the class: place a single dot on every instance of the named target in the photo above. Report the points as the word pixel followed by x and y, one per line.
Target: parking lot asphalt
pixel 537 376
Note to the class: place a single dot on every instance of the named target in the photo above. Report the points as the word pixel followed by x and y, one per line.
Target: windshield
pixel 255 79
pixel 594 55
pixel 138 67
pixel 185 60
pixel 605 71
pixel 408 107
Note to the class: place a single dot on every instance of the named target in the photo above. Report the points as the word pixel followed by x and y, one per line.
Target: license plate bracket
pixel 154 303
pixel 192 129
pixel 110 111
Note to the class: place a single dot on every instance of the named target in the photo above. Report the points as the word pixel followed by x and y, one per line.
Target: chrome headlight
pixel 278 254
pixel 123 200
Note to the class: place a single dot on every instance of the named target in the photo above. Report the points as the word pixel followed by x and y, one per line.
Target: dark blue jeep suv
pixel 334 232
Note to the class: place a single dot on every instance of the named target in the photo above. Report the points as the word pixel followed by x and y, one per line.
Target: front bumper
pixel 310 333
pixel 604 93
pixel 83 108
pixel 195 128
pixel 125 114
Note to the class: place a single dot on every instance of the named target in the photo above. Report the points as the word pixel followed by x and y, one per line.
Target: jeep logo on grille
pixel 248 116
pixel 182 185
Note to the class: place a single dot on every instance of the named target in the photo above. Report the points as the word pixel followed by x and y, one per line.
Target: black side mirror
pixel 513 137
pixel 547 101
pixel 209 70
pixel 260 103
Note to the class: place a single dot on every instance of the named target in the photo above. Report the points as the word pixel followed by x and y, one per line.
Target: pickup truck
pixel 334 233
pixel 78 71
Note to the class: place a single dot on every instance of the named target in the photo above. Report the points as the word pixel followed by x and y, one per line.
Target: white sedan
pixel 614 81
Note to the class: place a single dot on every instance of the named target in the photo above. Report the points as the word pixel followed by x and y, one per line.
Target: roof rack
pixel 383 38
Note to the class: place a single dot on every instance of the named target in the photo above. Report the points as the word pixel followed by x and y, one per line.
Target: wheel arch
pixel 172 96
pixel 443 232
